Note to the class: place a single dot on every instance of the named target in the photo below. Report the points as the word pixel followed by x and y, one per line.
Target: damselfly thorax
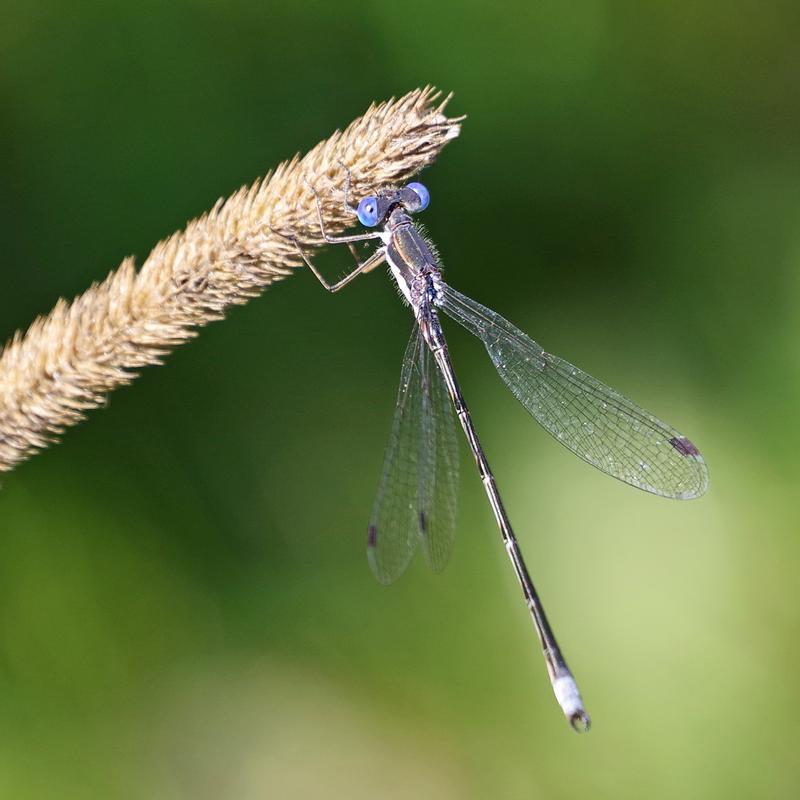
pixel 412 262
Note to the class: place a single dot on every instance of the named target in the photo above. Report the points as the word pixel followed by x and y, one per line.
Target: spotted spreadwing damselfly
pixel 416 500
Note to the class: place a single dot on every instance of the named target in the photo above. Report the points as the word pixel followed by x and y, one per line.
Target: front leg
pixel 361 266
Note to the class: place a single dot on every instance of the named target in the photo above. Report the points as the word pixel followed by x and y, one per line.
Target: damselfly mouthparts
pixel 416 498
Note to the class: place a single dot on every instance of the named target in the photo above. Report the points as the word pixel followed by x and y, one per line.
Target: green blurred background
pixel 185 604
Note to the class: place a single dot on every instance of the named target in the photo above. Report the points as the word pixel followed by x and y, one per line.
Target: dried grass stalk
pixel 68 361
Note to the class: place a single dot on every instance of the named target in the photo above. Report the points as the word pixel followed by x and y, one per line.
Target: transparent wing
pixel 591 419
pixel 438 465
pixel 392 532
pixel 417 492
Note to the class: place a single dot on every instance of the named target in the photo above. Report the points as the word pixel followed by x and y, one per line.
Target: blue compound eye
pixel 368 211
pixel 423 194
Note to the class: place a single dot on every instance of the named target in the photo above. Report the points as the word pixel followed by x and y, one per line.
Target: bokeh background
pixel 186 609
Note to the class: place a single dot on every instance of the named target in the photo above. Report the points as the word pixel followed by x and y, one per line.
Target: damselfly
pixel 416 498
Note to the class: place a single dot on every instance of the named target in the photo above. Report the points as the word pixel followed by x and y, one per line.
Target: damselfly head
pixel 374 209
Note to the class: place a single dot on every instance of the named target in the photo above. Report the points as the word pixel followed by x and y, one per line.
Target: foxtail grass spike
pixel 68 361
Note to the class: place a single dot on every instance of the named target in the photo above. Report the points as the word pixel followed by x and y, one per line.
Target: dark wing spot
pixel 372 535
pixel 684 446
pixel 423 523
